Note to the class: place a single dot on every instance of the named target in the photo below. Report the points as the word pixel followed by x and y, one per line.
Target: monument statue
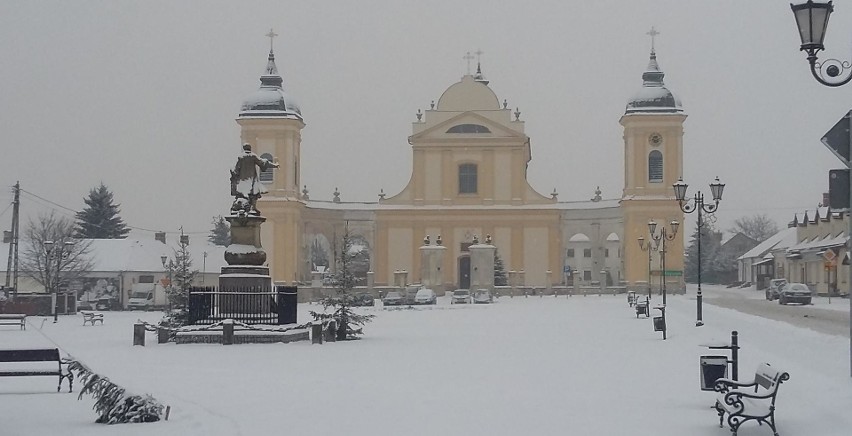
pixel 246 186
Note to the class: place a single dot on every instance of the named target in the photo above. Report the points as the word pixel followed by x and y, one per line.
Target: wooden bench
pixel 750 401
pixel 92 317
pixel 35 355
pixel 14 319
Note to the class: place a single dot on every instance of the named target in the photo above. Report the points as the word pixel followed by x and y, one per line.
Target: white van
pixel 425 296
pixel 141 300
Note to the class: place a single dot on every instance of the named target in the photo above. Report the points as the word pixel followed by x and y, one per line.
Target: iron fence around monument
pixel 250 305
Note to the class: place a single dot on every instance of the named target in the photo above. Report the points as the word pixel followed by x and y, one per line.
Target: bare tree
pixel 757 227
pixel 51 255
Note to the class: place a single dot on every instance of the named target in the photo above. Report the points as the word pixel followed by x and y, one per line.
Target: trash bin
pixel 659 324
pixel 712 369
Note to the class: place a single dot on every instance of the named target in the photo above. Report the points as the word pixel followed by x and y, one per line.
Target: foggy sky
pixel 142 96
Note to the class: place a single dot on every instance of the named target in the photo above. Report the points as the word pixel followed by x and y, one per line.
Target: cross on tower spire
pixel 271 35
pixel 468 57
pixel 653 33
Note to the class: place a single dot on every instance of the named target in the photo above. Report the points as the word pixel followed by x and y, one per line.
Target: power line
pixel 68 209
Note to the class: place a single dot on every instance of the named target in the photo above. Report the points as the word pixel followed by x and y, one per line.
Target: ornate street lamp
pixel 812 21
pixel 660 241
pixel 169 265
pixel 716 189
pixel 650 248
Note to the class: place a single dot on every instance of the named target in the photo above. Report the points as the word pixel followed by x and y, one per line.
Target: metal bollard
pixel 139 334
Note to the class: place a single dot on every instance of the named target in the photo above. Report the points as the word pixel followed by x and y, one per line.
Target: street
pixel 821 316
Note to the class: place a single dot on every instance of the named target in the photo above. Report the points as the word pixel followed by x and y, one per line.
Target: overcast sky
pixel 142 96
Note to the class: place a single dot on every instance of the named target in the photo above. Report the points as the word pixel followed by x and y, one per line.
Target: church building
pixel 468 183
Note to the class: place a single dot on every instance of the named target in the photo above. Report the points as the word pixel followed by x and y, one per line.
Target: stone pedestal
pixel 245 248
pixel 482 266
pixel 245 271
pixel 431 259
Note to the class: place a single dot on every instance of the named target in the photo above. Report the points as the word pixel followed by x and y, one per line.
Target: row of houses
pixel 123 266
pixel 811 250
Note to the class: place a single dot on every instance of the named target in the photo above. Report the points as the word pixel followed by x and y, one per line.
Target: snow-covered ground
pixel 534 366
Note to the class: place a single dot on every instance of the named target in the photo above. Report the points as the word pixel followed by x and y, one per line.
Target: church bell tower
pixel 271 121
pixel 653 161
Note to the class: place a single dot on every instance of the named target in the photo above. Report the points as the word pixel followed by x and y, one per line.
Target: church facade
pixel 469 181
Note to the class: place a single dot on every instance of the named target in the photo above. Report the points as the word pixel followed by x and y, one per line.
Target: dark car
pixel 795 293
pixel 393 298
pixel 363 299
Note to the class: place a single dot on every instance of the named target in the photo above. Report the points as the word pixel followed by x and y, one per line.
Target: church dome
pixel 471 94
pixel 270 100
pixel 654 97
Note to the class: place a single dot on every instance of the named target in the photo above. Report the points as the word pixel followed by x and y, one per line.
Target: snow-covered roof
pixel 818 242
pixel 783 239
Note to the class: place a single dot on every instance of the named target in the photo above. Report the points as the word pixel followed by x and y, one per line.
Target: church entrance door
pixel 464 272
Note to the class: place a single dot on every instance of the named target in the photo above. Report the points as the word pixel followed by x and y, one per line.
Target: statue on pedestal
pixel 246 186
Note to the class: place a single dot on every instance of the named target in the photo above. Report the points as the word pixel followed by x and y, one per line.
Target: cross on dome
pixel 271 35
pixel 468 57
pixel 652 33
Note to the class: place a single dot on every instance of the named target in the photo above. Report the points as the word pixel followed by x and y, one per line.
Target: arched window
pixel 468 128
pixel 467 179
pixel 266 176
pixel 655 166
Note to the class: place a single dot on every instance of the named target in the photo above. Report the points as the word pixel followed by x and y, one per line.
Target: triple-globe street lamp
pixel 660 241
pixel 169 265
pixel 701 207
pixel 650 248
pixel 812 22
pixel 55 251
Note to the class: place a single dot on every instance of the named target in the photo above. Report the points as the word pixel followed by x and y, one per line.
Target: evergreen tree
pixel 710 249
pixel 500 277
pixel 178 290
pixel 349 323
pixel 220 234
pixel 99 219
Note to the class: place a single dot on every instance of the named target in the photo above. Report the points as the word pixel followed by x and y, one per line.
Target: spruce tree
pixel 178 290
pixel 349 323
pixel 220 234
pixel 100 219
pixel 710 244
pixel 500 277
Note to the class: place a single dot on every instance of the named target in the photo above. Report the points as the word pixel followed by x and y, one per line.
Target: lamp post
pixel 660 241
pixel 812 22
pixel 649 247
pixel 55 251
pixel 168 265
pixel 699 205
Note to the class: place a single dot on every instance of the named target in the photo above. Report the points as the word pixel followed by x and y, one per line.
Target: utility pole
pixel 12 261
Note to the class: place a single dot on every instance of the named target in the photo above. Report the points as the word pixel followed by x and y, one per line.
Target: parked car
pixel 363 299
pixel 460 296
pixel 774 288
pixel 393 298
pixel 425 296
pixel 104 304
pixel 482 296
pixel 795 293
pixel 141 300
